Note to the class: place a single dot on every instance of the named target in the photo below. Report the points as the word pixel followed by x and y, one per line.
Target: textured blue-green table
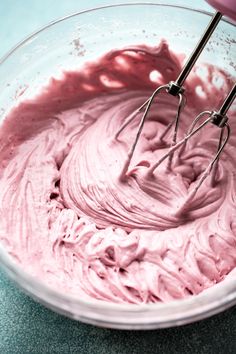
pixel 27 327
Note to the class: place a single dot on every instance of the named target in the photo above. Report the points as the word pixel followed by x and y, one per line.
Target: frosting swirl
pixel 68 218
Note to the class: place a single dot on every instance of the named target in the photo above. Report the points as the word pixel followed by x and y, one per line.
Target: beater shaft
pixel 198 50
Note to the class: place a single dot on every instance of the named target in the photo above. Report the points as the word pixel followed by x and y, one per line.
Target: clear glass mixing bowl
pixel 67 44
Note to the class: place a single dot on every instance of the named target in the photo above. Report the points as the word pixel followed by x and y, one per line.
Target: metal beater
pixel 176 89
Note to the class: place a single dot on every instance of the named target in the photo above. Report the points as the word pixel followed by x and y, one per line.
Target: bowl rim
pixel 212 300
pixel 60 19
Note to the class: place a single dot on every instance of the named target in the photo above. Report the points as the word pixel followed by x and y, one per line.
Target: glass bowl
pixel 67 44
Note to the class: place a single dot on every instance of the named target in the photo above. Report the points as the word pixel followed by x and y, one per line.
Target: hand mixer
pixel 176 89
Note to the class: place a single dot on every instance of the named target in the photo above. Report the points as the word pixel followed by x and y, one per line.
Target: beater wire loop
pixel 212 167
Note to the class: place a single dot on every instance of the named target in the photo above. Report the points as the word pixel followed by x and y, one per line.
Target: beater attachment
pixel 219 119
pixel 170 88
pixel 174 88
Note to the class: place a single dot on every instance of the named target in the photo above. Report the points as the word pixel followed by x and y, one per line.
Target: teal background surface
pixel 28 327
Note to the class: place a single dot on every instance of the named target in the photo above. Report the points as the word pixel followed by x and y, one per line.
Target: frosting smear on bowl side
pixel 68 219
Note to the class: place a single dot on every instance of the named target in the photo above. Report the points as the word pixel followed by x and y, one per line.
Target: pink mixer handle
pixel 226 7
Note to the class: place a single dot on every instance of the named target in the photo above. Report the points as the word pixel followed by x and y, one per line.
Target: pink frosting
pixel 66 217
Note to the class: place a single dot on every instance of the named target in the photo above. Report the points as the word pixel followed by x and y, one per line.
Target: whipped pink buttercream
pixel 66 217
